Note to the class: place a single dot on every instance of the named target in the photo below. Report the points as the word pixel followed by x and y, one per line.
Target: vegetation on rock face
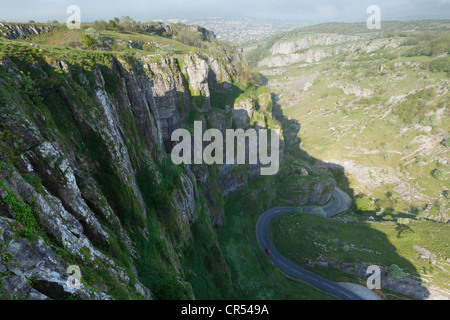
pixel 75 129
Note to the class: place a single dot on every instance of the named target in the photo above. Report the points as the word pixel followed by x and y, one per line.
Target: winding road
pixel 341 202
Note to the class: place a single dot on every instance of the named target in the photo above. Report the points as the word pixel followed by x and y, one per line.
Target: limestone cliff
pixel 85 175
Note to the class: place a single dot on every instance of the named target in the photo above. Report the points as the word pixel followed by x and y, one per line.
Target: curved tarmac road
pixel 341 202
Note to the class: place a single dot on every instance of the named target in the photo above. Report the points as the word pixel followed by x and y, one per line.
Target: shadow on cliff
pixel 293 152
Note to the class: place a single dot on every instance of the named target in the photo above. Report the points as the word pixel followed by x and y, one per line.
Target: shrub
pixel 188 37
pixel 25 214
pixel 94 34
pixel 100 25
pixel 88 41
pixel 163 285
pixel 364 203
pixel 446 142
pixel 438 174
pixel 319 212
pixel 11 147
pixel 403 221
pixel 84 81
pixel 112 25
pixel 446 194
pixel 440 65
pixel 34 181
pixel 395 272
pixel 384 154
pixel 156 194
pixel 31 88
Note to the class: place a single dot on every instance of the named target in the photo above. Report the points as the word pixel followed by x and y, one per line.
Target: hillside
pixel 86 118
pixel 372 105
pixel 86 177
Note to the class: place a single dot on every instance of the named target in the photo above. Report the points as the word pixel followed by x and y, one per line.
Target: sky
pixel 147 10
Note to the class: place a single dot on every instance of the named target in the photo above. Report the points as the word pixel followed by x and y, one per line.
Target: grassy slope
pixel 370 131
pixel 336 127
pixel 370 242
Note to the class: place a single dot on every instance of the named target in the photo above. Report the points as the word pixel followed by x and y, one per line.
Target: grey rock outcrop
pixel 15 31
pixel 322 192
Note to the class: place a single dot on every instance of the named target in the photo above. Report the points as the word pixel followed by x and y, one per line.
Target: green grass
pixel 379 243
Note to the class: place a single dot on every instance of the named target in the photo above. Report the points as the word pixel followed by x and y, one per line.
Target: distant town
pixel 243 30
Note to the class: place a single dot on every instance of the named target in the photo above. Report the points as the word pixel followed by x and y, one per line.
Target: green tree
pixel 94 34
pixel 446 142
pixel 395 272
pixel 364 203
pixel 100 25
pixel 112 25
pixel 128 23
pixel 88 42
pixel 319 212
pixel 438 174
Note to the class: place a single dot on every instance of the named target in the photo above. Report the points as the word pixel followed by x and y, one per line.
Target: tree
pixel 88 42
pixel 446 194
pixel 446 142
pixel 94 34
pixel 128 23
pixel 100 25
pixel 395 272
pixel 299 211
pixel 319 212
pixel 438 174
pixel 364 203
pixel 112 25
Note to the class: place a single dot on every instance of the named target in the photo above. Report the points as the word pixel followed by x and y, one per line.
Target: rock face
pixel 309 41
pixel 197 71
pixel 424 253
pixel 15 31
pixel 34 272
pixel 322 192
pixel 242 112
pixel 312 48
pixel 158 29
pixel 407 284
pixel 206 35
pixel 84 177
